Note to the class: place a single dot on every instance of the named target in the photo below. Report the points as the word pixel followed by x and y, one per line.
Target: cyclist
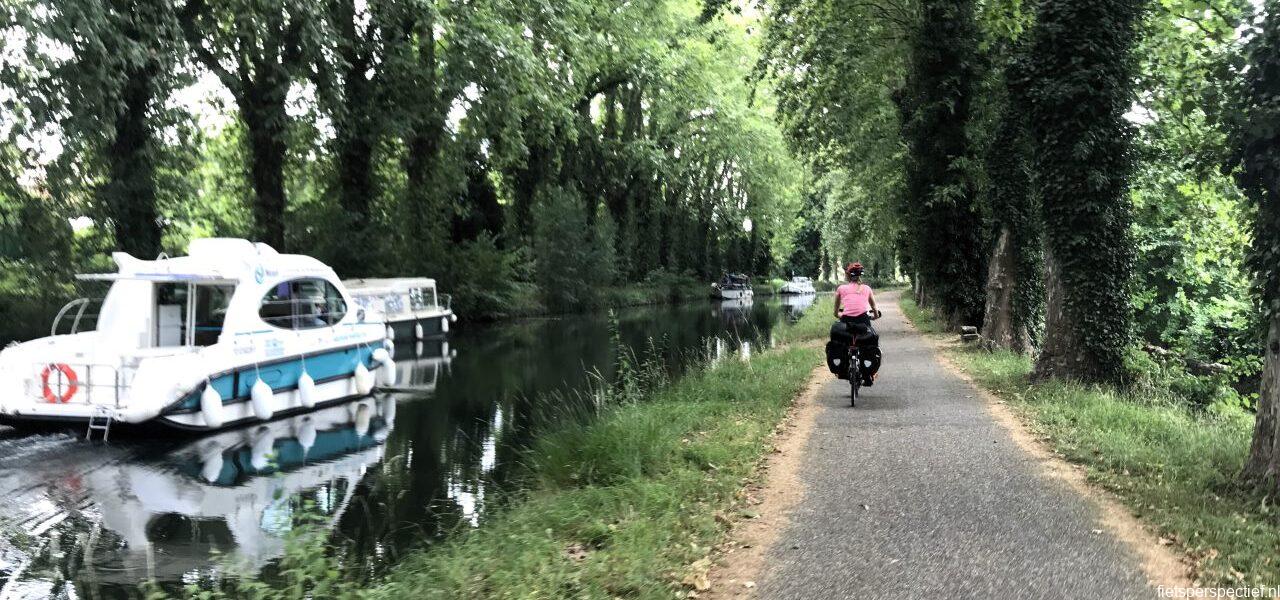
pixel 855 306
pixel 855 303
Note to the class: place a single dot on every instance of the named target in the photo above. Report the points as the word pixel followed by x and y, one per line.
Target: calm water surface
pixel 90 520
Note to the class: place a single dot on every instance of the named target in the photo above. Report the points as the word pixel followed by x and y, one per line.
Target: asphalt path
pixel 919 493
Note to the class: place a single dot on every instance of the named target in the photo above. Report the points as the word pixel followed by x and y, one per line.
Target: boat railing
pixel 83 313
pixel 99 384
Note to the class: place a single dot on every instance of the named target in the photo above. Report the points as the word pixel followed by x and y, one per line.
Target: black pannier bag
pixel 842 335
pixel 869 355
pixel 837 358
pixel 838 348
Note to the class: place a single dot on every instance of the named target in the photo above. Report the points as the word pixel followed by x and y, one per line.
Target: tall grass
pixel 620 506
pixel 1172 461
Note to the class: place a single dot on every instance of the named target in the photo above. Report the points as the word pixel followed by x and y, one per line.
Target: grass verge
pixel 628 505
pixel 1174 465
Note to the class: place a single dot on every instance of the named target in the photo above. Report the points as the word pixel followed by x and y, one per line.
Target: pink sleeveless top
pixel 855 299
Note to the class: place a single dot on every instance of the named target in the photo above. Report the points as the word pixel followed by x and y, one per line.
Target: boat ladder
pixel 100 420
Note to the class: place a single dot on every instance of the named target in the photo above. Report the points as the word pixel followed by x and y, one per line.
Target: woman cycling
pixel 855 304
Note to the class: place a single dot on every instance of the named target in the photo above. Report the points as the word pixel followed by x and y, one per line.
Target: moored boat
pixel 410 305
pixel 733 286
pixel 798 285
pixel 233 333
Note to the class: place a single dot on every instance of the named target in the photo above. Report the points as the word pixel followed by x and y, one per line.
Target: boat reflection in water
pixel 796 304
pixel 195 507
pixel 234 491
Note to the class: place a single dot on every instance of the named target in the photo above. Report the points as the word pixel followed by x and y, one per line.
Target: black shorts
pixel 862 319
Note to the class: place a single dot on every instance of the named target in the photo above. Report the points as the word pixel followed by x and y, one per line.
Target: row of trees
pixel 1047 168
pixel 481 142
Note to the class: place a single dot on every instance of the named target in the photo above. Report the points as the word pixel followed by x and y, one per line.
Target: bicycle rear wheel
pixel 855 377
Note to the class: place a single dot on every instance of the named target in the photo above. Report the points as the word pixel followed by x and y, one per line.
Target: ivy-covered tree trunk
pixel 948 236
pixel 1079 87
pixel 129 195
pixel 1257 136
pixel 1014 275
pixel 1263 464
pixel 997 322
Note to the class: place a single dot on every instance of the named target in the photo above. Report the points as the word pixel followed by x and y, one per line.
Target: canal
pixel 384 475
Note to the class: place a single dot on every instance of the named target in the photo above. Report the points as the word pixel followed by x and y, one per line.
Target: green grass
pixel 1173 464
pixel 623 505
pixel 626 504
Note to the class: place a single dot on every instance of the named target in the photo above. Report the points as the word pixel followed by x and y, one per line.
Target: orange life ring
pixel 68 374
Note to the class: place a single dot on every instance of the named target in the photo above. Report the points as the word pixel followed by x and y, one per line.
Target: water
pixel 383 474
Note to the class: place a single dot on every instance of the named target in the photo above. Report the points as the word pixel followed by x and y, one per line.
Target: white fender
pixel 444 324
pixel 307 434
pixel 386 367
pixel 417 330
pixel 263 400
pixel 389 410
pixel 260 452
pixel 211 408
pixel 307 390
pixel 211 465
pixel 364 414
pixel 363 379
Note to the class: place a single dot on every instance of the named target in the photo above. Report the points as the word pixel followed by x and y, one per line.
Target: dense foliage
pixel 531 153
pixel 457 140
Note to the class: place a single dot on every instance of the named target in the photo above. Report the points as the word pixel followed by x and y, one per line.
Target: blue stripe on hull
pixel 280 375
pixel 287 454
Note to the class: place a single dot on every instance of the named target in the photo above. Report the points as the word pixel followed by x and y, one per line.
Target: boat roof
pixel 212 260
pixel 390 283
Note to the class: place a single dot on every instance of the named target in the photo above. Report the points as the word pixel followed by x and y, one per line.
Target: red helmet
pixel 854 269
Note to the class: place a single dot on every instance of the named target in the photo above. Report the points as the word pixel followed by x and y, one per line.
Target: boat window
pixel 211 312
pixel 171 314
pixel 303 304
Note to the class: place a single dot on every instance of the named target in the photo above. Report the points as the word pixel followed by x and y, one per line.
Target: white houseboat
pixel 409 305
pixel 798 285
pixel 732 286
pixel 233 333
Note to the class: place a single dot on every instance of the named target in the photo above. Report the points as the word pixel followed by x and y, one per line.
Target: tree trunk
pixel 130 193
pixel 267 123
pixel 356 132
pixel 1000 325
pixel 1263 464
pixel 1062 355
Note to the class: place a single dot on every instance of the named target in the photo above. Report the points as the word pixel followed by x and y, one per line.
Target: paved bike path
pixel 919 493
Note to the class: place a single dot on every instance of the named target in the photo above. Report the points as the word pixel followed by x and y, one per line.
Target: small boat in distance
pixel 233 333
pixel 409 305
pixel 798 285
pixel 733 286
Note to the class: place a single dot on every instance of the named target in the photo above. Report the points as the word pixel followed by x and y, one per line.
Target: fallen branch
pixel 1193 366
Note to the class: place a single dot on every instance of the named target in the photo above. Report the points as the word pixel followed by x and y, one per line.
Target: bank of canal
pixel 384 474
